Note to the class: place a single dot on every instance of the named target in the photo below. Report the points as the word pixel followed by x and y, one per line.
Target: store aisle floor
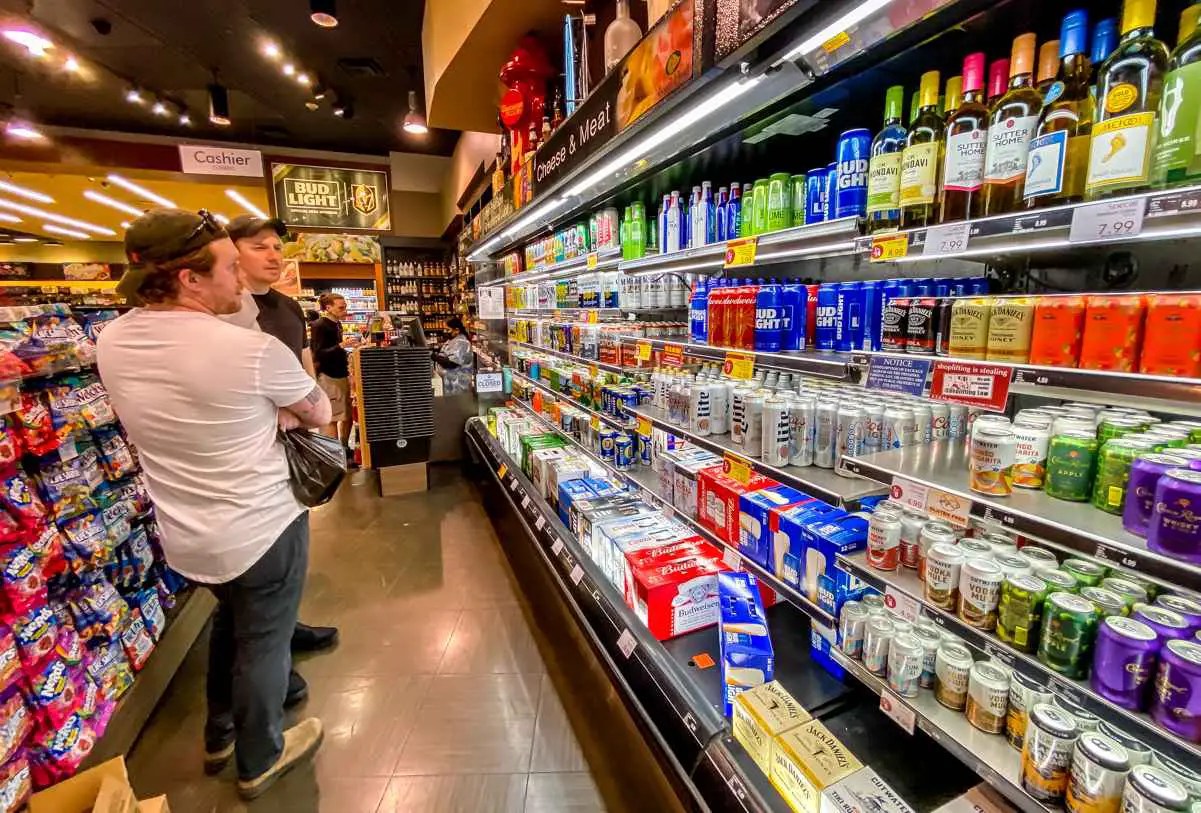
pixel 437 697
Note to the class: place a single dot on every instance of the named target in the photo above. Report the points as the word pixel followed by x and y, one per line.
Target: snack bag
pixel 87 535
pixel 21 579
pixel 36 633
pixel 94 404
pixel 10 659
pixel 96 321
pixel 16 786
pixel 115 455
pixel 152 612
pixel 140 550
pixel 85 347
pixel 64 486
pixel 116 520
pixel 109 667
pixel 21 500
pixel 48 547
pixel 69 646
pixel 53 692
pixel 10 444
pixel 16 722
pixel 35 425
pixel 58 752
pixel 65 413
pixel 137 641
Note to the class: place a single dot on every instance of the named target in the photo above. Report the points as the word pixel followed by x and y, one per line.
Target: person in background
pixel 455 359
pixel 333 366
pixel 260 259
pixel 203 400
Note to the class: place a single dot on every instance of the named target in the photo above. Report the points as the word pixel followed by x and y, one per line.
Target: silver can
pixel 883 541
pixel 876 639
pixel 719 417
pixel 952 671
pixel 825 419
pixel 893 431
pixel 848 434
pixel 802 415
pixel 911 531
pixel 956 420
pixel 1152 790
pixel 752 423
pixel 700 408
pixel 940 420
pixel 923 418
pixel 873 427
pixel 852 622
pixel 738 413
pixel 990 469
pixel 1097 774
pixel 776 430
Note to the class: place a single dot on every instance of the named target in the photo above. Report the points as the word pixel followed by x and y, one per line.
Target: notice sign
pixel 328 197
pixel 907 375
pixel 198 159
pixel 492 302
pixel 985 386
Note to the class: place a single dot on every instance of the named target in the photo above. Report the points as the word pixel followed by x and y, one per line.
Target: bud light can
pixel 623 452
pixel 850 188
pixel 828 190
pixel 873 314
pixel 795 309
pixel 815 184
pixel 827 315
pixel 769 319
pixel 848 319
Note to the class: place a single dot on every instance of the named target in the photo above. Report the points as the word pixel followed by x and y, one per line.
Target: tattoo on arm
pixel 314 396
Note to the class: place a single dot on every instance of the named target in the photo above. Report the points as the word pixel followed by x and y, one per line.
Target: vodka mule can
pixel 952 670
pixel 1047 753
pixel 1024 694
pixel 1097 774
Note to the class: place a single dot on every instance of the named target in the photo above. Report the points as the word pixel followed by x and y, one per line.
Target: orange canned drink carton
pixel 1173 336
pixel 1113 332
pixel 1058 331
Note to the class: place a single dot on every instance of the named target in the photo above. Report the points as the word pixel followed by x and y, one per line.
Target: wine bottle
pixel 1128 92
pixel 952 97
pixel 884 170
pixel 1105 39
pixel 966 137
pixel 921 158
pixel 1058 159
pixel 1011 123
pixel 1175 159
pixel 998 78
pixel 1048 66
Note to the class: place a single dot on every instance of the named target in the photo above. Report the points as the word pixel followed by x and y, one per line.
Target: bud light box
pixel 569 492
pixel 717 501
pixel 788 537
pixel 759 518
pixel 676 597
pixel 747 658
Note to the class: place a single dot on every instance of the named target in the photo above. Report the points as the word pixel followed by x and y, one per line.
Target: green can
pixel 1111 428
pixel 779 201
pixel 1169 437
pixel 1130 591
pixel 1021 610
pixel 1071 464
pixel 759 196
pixel 1193 427
pixel 1086 573
pixel 1069 630
pixel 1113 472
pixel 798 200
pixel 1158 442
pixel 1108 602
pixel 1058 581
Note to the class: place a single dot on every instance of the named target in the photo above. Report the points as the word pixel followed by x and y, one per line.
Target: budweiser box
pixel 676 597
pixel 690 547
pixel 717 501
pixel 760 715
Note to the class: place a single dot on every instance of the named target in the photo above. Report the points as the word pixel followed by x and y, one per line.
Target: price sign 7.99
pixel 1107 220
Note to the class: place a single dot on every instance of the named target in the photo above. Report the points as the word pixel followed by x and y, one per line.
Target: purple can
pixel 1168 625
pixel 1124 661
pixel 1175 528
pixel 1140 490
pixel 1178 690
pixel 1187 607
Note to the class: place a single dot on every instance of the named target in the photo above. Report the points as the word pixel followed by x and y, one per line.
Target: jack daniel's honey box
pixel 805 761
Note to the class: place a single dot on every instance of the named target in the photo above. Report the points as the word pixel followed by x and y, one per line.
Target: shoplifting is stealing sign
pixel 329 197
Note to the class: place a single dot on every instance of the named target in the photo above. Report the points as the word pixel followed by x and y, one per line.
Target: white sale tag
pixel 513 484
pixel 525 502
pixel 577 573
pixel 732 559
pixel 556 547
pixel 626 643
pixel 908 493
pixel 901 714
pixel 540 524
pixel 949 239
pixel 1108 220
pixel 901 605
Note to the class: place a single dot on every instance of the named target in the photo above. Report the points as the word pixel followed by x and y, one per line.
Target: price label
pixel 540 524
pixel 900 713
pixel 577 573
pixel 737 468
pixel 889 247
pixel 984 386
pixel 644 350
pixel 525 502
pixel 1107 220
pixel 593 259
pixel 732 559
pixel 998 654
pixel 673 355
pixel 741 252
pixel 502 471
pixel 592 317
pixel 739 365
pixel 948 507
pixel 513 484
pixel 908 493
pixel 595 423
pixel 557 546
pixel 901 604
pixel 644 427
pixel 626 643
pixel 949 239
pixel 835 42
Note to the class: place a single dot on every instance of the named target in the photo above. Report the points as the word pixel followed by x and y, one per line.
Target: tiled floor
pixel 437 697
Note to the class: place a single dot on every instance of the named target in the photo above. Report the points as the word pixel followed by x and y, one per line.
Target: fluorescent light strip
pixel 5 217
pixel 23 192
pixel 220 218
pixel 112 203
pixel 50 227
pixel 238 198
pixel 33 211
pixel 856 15
pixel 540 211
pixel 130 186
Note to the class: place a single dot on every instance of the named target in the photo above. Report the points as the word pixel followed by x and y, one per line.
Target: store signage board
pixel 736 468
pixel 948 507
pixel 739 365
pixel 331 198
pixel 906 375
pixel 489 382
pixel 644 350
pixel 1107 220
pixel 984 386
pixel 673 355
pixel 491 302
pixel 200 159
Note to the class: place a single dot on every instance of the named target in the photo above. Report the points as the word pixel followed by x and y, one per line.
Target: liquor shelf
pixel 813 480
pixel 603 260
pixel 586 314
pixel 827 365
pixel 600 365
pixel 609 420
pixel 1079 527
pixel 987 646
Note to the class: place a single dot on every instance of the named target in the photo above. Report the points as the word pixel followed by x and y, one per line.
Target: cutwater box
pixel 788 539
pixel 747 659
pixel 756 520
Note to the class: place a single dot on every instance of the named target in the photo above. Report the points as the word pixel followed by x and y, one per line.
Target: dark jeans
pixel 250 652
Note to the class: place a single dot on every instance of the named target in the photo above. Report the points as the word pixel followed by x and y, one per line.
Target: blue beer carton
pixel 755 520
pixel 823 542
pixel 569 492
pixel 747 658
pixel 788 540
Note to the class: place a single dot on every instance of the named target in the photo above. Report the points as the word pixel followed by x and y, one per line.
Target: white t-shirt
pixel 199 399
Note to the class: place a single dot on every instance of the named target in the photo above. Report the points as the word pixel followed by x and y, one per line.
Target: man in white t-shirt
pixel 202 400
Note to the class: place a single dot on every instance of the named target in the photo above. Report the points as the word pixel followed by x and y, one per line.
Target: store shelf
pixel 826 365
pixel 584 314
pixel 989 755
pixel 600 365
pixel 987 646
pixel 813 480
pixel 609 420
pixel 606 260
pixel 1069 525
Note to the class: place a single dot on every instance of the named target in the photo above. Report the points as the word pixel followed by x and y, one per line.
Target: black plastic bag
pixel 316 465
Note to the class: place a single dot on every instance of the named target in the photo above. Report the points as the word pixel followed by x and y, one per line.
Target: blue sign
pixel 898 374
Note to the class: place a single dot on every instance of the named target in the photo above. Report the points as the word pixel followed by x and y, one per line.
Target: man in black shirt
pixel 333 366
pixel 260 259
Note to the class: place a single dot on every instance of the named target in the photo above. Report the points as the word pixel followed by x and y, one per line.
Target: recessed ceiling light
pixel 112 203
pixel 24 192
pixel 271 50
pixel 35 44
pixel 71 65
pixel 134 96
pixel 185 119
pixel 130 186
pixel 289 69
pixel 50 227
pixel 344 110
pixel 218 105
pixel 324 13
pixel 220 218
pixel 33 211
pixel 25 239
pixel 125 224
pixel 303 78
pixel 23 130
pixel 240 199
pixel 159 109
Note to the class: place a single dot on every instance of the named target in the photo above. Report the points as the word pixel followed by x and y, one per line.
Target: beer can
pixel 815 185
pixel 884 541
pixel 719 418
pixel 826 316
pixel 852 622
pixel 876 639
pixel 623 452
pixel 752 423
pixel 893 323
pixel 608 444
pixel 923 418
pixel 798 185
pixel 776 429
pixel 873 427
pixel 920 326
pixel 802 414
pixel 828 191
pixel 738 413
pixel 897 428
pixel 911 531
pixel 700 408
pixel 940 416
pixel 956 421
pixel 825 418
pixel 848 434
pixel 779 201
pixel 644 450
pixel 852 155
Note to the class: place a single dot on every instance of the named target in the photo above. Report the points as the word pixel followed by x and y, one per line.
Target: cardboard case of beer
pixel 788 539
pixel 686 480
pixel 586 514
pixel 571 467
pixel 569 492
pixel 540 462
pixel 717 501
pixel 676 597
pixel 807 760
pixel 760 715
pixel 758 520
pixel 862 792
pixel 690 547
pixel 747 658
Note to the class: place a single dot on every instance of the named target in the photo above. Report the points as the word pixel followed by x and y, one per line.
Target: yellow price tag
pixel 741 252
pixel 592 317
pixel 592 260
pixel 835 42
pixel 644 427
pixel 596 424
pixel 644 351
pixel 502 470
pixel 739 365
pixel 736 468
pixel 593 371
pixel 889 247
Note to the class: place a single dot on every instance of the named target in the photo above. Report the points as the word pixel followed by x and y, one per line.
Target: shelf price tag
pixel 502 471
pixel 592 260
pixel 949 239
pixel 626 643
pixel 595 423
pixel 732 559
pixel 948 507
pixel 901 604
pixel 889 247
pixel 525 502
pixel 592 317
pixel 835 42
pixel 739 365
pixel 644 350
pixel 556 547
pixel 741 253
pixel 901 714
pixel 673 355
pixel 644 427
pixel 908 493
pixel 577 574
pixel 540 524
pixel 1107 220
pixel 736 468
pixel 984 386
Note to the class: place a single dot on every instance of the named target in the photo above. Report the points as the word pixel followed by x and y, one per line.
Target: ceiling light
pixel 71 65
pixel 271 50
pixel 23 130
pixel 5 217
pixel 50 227
pixel 303 79
pixel 33 211
pixel 159 109
pixel 414 119
pixel 125 224
pixel 240 199
pixel 319 92
pixel 130 186
pixel 133 96
pixel 25 239
pixel 112 203
pixel 312 104
pixel 344 110
pixel 218 105
pixel 324 13
pixel 33 43
pixel 220 218
pixel 184 119
pixel 24 192
pixel 289 69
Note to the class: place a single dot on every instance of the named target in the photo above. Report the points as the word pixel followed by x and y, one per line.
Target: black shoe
pixel 313 639
pixel 298 690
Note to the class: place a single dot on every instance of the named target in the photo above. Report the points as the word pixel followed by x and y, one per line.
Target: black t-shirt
pixel 280 316
pixel 328 355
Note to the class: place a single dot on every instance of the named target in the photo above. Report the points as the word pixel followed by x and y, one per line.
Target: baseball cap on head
pixel 244 226
pixel 162 235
